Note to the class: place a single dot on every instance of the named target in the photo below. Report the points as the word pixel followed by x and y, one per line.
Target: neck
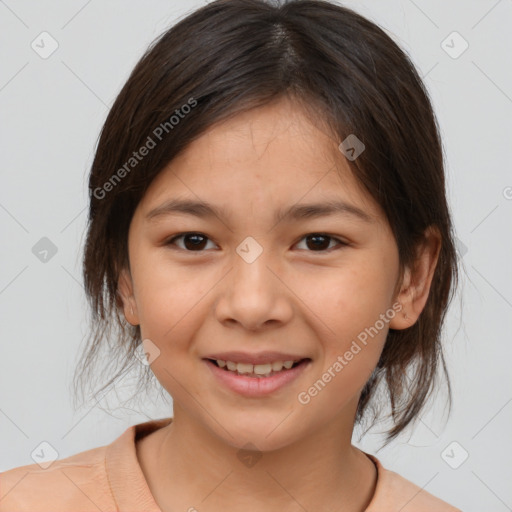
pixel 188 467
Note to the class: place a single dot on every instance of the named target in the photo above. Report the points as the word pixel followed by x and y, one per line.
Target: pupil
pixel 317 237
pixel 194 244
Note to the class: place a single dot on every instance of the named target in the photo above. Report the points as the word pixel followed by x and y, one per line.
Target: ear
pixel 417 280
pixel 127 299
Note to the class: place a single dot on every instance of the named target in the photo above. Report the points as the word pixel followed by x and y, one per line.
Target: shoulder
pixel 395 493
pixel 77 483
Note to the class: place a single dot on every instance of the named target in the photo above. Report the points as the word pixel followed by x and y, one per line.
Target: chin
pixel 265 432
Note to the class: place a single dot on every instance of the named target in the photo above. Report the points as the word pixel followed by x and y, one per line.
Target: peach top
pixel 109 478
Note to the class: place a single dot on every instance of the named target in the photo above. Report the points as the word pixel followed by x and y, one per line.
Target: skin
pixel 295 297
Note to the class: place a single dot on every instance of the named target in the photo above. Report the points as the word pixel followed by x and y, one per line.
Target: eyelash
pixel 172 240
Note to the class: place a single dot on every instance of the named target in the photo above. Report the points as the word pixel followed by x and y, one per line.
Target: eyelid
pixel 170 241
pixel 340 242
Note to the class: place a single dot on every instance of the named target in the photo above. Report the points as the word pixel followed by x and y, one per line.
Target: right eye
pixel 193 242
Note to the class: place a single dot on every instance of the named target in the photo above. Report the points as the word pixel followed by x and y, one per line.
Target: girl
pixel 268 219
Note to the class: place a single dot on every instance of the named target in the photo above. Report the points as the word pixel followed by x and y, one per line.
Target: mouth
pixel 257 371
pixel 256 376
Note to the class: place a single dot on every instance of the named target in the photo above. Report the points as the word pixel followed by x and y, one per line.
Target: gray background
pixel 52 110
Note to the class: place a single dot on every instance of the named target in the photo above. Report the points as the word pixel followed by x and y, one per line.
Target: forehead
pixel 269 156
pixel 279 138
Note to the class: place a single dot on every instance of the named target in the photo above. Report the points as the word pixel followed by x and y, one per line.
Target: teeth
pixel 260 370
pixel 244 368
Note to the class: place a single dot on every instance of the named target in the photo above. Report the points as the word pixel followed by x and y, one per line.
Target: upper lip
pixel 255 358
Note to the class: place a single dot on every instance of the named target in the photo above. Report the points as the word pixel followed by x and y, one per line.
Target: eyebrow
pixel 296 212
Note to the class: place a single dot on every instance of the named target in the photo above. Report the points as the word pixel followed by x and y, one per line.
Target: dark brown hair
pixel 234 55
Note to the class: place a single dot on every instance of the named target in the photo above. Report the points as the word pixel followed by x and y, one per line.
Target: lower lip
pixel 256 386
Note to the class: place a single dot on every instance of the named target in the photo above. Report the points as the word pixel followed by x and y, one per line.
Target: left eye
pixel 318 241
pixel 195 242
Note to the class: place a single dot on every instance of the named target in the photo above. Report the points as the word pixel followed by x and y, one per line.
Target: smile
pixel 256 370
pixel 256 380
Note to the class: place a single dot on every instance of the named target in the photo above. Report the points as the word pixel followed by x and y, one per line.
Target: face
pixel 259 277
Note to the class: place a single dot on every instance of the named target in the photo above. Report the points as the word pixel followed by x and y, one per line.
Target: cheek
pixel 349 298
pixel 162 287
pixel 352 312
pixel 170 309
pixel 168 300
pixel 352 322
pixel 169 313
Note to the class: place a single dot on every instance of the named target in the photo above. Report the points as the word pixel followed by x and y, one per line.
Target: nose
pixel 253 296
